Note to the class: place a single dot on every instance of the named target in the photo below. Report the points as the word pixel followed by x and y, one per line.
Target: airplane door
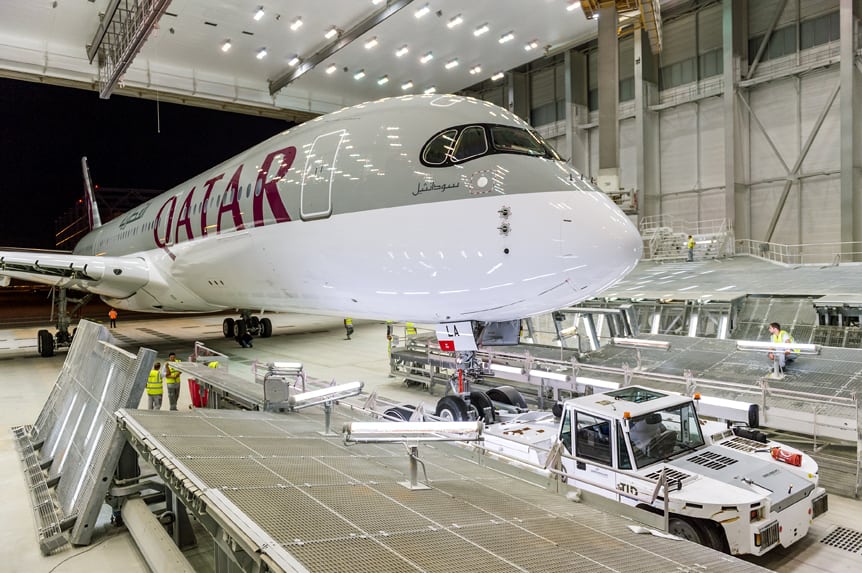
pixel 318 176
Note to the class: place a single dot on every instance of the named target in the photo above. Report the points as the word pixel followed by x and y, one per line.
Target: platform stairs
pixel 665 238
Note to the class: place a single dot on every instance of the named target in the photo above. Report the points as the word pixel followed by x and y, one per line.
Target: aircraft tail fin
pixel 90 197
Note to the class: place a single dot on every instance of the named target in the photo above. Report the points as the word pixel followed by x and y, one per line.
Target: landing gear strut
pixel 247 323
pixel 47 343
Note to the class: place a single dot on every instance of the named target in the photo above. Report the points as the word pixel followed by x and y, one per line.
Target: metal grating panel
pixel 844 538
pixel 338 508
pixel 78 424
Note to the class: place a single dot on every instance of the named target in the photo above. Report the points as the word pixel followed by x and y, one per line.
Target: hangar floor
pixel 319 343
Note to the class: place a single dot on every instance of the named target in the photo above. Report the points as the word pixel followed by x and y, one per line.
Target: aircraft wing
pixel 116 277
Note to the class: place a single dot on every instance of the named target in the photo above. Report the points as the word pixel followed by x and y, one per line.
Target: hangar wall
pixel 786 108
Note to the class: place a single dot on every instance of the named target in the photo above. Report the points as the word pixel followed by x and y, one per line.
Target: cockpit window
pixel 471 143
pixel 515 140
pixel 438 149
pixel 462 143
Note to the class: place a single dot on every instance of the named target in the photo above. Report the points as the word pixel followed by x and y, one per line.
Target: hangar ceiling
pixel 182 56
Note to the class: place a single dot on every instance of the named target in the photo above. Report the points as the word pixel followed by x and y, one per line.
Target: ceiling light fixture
pixel 359 75
pixel 261 53
pixel 475 69
pixel 481 30
pixel 451 64
pixel 293 61
pixel 531 46
pixel 401 51
pixel 330 33
pixel 406 85
pixel 426 58
pixel 431 90
pixel 331 69
pixel 376 2
pixel 508 36
pixel 572 5
pixel 226 46
pixel 497 76
pixel 383 80
pixel 371 43
pixel 422 11
pixel 296 24
pixel 259 14
pixel 454 21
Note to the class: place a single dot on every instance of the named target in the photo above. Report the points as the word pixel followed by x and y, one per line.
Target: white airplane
pixel 431 208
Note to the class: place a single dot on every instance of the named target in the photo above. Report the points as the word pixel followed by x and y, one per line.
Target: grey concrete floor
pixel 318 342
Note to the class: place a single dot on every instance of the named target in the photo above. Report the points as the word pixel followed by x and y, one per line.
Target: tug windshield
pixel 455 145
pixel 660 435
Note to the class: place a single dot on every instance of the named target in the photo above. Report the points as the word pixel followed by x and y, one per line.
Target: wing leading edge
pixel 115 277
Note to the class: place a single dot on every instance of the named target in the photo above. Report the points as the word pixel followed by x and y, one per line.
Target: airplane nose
pixel 600 241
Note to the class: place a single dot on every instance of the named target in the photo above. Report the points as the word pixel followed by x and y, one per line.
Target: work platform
pixel 280 494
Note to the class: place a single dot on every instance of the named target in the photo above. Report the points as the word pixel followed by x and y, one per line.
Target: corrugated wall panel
pixel 816 89
pixel 594 151
pixel 593 70
pixel 628 154
pixel 821 210
pixel 542 87
pixel 761 13
pixel 496 96
pixel 560 81
pixel 678 144
pixel 711 143
pixel 775 106
pixel 627 58
pixel 712 204
pixel 683 206
pixel 678 40
pixel 812 8
pixel 764 198
pixel 709 29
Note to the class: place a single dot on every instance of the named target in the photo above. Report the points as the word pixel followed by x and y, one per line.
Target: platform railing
pixel 802 254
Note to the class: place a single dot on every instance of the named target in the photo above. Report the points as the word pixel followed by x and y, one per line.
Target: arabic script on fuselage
pixel 433 186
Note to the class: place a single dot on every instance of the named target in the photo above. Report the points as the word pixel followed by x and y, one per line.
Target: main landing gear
pixel 247 324
pixel 46 342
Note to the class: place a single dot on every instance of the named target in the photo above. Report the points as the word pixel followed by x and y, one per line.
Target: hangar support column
pixel 609 97
pixel 646 128
pixel 735 60
pixel 577 109
pixel 851 125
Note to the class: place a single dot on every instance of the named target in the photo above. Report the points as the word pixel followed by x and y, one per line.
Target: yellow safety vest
pixel 690 243
pixel 154 384
pixel 781 337
pixel 213 364
pixel 409 328
pixel 171 376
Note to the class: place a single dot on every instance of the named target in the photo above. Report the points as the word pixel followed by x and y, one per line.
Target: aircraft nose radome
pixel 600 244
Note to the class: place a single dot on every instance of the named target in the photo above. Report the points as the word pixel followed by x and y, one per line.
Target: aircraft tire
pixel 255 322
pixel 265 328
pixel 507 395
pixel 400 413
pixel 240 328
pixel 45 343
pixel 480 401
pixel 227 327
pixel 452 409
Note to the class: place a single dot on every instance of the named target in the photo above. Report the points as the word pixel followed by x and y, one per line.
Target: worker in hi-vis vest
pixel 154 388
pixel 780 336
pixel 348 327
pixel 409 328
pixel 690 246
pixel 172 381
